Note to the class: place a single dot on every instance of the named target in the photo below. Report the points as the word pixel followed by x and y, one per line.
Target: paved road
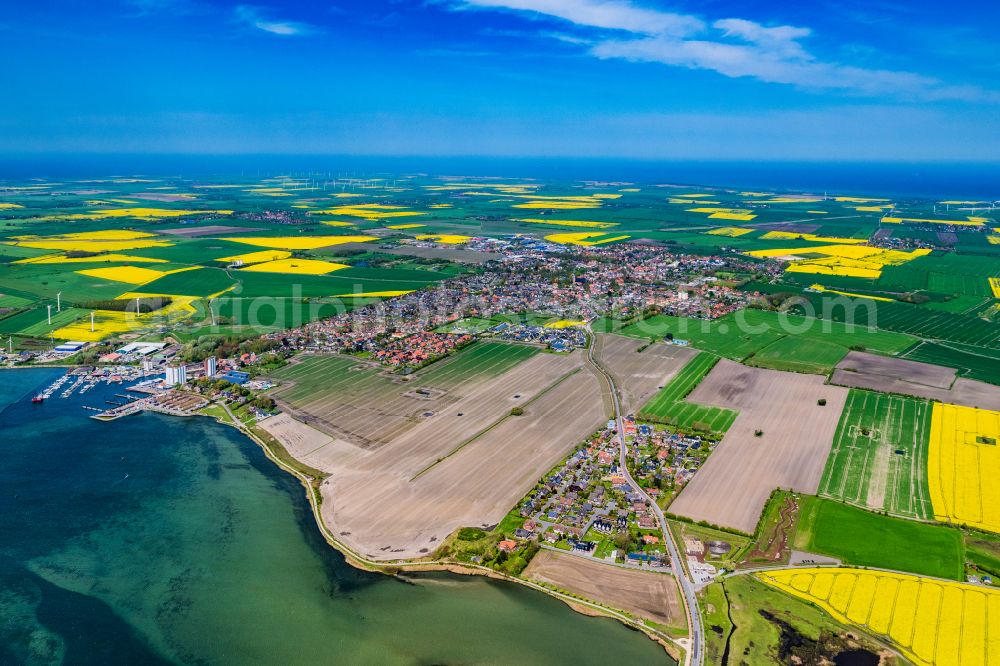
pixel 694 656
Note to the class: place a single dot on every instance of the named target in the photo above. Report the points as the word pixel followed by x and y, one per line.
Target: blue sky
pixel 656 79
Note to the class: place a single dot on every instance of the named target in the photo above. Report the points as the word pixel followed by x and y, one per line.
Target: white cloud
pixel 254 17
pixel 606 14
pixel 733 47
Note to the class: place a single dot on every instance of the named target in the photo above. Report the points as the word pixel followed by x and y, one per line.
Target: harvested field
pixel 639 375
pixel 206 230
pixel 466 465
pixel 735 482
pixel 645 594
pixel 911 372
pixel 921 380
pixel 364 405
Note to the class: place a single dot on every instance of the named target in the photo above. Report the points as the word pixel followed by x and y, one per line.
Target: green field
pixel 668 405
pixel 34 322
pixel 775 340
pixel 863 538
pixel 724 336
pixel 975 363
pixel 879 455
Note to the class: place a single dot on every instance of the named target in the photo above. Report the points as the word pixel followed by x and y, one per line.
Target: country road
pixel 694 655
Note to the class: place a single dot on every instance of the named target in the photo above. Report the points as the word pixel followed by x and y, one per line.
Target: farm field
pixel 397 488
pixel 930 621
pixel 962 459
pixel 670 406
pixel 773 340
pixel 879 455
pixel 862 538
pixel 976 363
pixel 645 594
pixel 794 441
pixel 361 403
pixel 639 374
pixel 913 378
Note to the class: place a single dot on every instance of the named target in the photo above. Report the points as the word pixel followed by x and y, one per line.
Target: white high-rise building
pixel 210 366
pixel 176 375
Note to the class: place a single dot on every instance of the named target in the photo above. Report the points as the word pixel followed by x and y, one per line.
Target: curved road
pixel 694 653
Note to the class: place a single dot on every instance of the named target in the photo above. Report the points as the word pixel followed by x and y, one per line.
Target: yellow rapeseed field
pixel 688 202
pixel 841 260
pixel 962 460
pixel 300 266
pixel 404 226
pixel 445 239
pixel 995 287
pixel 737 217
pixel 9 206
pixel 567 223
pixel 583 239
pixel 729 231
pixel 791 235
pixel 560 205
pixel 106 323
pixel 932 622
pixel 822 289
pixel 375 294
pixel 565 323
pixel 257 257
pixel 337 223
pixel 795 200
pixel 993 239
pixel 857 200
pixel 111 240
pixel 111 322
pixel 130 274
pixel 98 259
pixel 298 242
pixel 368 211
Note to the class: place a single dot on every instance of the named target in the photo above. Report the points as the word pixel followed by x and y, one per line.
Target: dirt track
pixel 647 594
pixel 733 485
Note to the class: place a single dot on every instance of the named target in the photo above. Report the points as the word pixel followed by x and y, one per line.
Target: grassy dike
pixel 311 479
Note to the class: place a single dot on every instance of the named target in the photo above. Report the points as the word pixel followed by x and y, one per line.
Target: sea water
pixel 157 539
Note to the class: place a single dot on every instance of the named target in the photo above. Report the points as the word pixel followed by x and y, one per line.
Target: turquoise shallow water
pixel 163 540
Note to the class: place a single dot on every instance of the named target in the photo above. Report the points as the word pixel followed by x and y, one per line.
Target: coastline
pixel 583 606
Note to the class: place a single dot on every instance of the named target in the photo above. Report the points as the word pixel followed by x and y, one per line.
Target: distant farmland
pixel 879 455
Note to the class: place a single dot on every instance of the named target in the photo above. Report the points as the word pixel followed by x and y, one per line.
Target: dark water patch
pixel 857 658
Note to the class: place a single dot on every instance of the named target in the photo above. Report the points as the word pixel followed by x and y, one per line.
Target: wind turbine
pixel 58 301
